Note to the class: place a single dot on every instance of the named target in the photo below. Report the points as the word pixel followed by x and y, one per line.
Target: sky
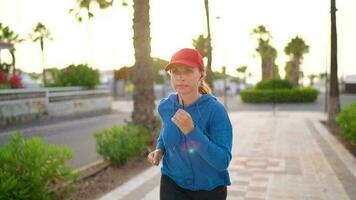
pixel 106 42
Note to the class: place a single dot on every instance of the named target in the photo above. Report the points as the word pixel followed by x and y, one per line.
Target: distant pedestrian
pixel 196 137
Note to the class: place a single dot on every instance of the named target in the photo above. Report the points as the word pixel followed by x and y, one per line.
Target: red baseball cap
pixel 188 57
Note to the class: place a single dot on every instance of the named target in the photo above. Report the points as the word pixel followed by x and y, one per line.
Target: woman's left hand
pixel 183 120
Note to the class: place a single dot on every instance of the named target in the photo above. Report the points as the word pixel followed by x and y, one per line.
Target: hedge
pixel 279 95
pixel 274 84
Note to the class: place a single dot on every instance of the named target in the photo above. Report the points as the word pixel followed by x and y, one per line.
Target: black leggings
pixel 169 190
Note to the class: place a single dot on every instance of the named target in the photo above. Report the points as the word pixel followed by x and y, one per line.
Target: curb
pixel 92 169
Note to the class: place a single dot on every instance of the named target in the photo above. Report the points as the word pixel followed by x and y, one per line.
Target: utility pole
pixel 225 95
pixel 209 73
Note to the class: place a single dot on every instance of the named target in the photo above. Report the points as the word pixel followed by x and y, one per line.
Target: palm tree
pixel 242 69
pixel 322 76
pixel 202 45
pixel 143 96
pixel 267 52
pixel 88 15
pixel 209 73
pixel 41 33
pixel 334 100
pixel 9 36
pixel 86 5
pixel 270 54
pixel 296 48
pixel 311 78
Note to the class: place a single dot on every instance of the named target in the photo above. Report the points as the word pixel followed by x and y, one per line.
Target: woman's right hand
pixel 155 156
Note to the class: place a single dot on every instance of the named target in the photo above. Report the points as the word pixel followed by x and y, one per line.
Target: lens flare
pixel 191 150
pixel 191 147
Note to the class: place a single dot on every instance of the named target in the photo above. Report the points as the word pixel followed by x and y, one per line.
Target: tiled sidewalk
pixel 282 157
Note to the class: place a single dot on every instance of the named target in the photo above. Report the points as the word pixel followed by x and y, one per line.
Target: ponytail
pixel 204 88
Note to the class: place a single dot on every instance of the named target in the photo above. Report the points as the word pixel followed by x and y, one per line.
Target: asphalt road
pixel 76 133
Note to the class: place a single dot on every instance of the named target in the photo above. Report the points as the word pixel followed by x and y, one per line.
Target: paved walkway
pixel 282 157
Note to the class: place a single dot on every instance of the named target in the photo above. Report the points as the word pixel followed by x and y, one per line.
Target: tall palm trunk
pixel 269 67
pixel 265 68
pixel 209 73
pixel 334 101
pixel 295 71
pixel 43 63
pixel 143 95
pixel 12 52
pixel 264 60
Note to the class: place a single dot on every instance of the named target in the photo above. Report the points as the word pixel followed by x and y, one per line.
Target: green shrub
pixel 78 75
pixel 5 86
pixel 120 143
pixel 279 95
pixel 274 83
pixel 55 81
pixel 347 123
pixel 31 169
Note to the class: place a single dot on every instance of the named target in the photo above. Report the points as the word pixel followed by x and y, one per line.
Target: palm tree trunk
pixel 209 73
pixel 12 52
pixel 43 64
pixel 143 96
pixel 295 71
pixel 334 101
pixel 265 67
pixel 270 68
pixel 264 62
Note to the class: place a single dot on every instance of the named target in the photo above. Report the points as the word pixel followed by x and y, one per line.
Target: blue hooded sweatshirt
pixel 199 159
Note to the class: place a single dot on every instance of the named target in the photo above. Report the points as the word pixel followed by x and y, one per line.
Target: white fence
pixel 20 105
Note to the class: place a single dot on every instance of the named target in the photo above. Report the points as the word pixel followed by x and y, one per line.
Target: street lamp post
pixel 225 95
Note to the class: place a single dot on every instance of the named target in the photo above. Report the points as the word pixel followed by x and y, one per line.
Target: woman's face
pixel 185 80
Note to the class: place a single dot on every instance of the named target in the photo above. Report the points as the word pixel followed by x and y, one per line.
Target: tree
pixel 296 48
pixel 54 81
pixel 267 52
pixel 209 73
pixel 9 36
pixel 334 100
pixel 124 73
pixel 243 70
pixel 143 95
pixel 87 5
pixel 157 65
pixel 202 45
pixel 40 34
pixel 322 76
pixel 84 13
pixel 311 78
